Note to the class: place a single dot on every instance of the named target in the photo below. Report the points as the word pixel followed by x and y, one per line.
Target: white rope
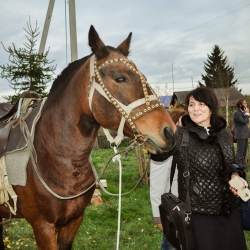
pixel 118 158
pixel 115 158
pixel 119 137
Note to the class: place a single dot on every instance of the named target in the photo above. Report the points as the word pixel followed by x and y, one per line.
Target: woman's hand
pixel 244 184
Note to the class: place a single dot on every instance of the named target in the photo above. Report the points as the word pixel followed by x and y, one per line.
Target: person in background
pixel 241 131
pixel 215 216
pixel 160 169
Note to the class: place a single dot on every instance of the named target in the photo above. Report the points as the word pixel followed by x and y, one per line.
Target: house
pixel 221 93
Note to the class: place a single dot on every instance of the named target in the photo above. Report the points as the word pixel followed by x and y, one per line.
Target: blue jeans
pixel 165 245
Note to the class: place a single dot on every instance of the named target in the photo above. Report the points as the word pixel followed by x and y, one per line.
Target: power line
pixel 191 29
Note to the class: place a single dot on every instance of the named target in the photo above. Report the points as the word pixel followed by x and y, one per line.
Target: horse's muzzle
pixel 169 138
pixel 166 144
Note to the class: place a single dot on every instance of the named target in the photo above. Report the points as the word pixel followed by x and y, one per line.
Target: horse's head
pixel 125 99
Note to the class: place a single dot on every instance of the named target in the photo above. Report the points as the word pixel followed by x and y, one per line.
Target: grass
pixel 99 227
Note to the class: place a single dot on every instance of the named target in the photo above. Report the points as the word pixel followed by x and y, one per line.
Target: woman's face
pixel 199 112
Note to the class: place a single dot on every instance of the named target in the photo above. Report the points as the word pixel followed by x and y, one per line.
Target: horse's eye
pixel 121 79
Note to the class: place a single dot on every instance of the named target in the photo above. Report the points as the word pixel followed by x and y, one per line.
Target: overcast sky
pixel 170 41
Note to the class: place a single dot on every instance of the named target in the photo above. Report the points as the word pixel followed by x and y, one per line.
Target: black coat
pixel 210 160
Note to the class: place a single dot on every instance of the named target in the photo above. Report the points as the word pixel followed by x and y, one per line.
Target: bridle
pixel 96 83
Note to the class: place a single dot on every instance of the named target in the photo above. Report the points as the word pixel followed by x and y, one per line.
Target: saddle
pixel 16 122
pixel 4 109
pixel 10 117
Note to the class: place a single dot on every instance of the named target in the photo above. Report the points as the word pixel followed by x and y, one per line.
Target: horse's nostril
pixel 169 135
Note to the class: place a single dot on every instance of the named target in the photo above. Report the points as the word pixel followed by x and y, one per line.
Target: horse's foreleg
pixel 45 235
pixel 67 233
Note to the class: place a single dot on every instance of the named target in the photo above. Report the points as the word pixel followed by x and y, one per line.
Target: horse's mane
pixel 62 79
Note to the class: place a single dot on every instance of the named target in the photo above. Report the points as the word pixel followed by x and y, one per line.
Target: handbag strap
pixel 184 145
pixel 186 173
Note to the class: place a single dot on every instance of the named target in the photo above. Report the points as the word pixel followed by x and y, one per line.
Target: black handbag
pixel 174 213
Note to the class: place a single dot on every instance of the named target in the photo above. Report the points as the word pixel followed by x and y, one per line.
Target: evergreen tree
pixel 28 70
pixel 218 73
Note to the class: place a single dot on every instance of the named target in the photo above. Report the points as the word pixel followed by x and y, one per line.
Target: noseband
pixel 96 83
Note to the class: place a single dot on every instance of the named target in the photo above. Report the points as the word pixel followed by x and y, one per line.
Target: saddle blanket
pixel 17 160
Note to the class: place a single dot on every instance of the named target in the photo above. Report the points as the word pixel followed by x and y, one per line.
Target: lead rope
pixel 118 158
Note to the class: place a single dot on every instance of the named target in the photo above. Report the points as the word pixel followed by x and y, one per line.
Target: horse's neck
pixel 64 130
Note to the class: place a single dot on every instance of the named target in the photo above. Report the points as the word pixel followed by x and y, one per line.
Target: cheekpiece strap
pixel 97 84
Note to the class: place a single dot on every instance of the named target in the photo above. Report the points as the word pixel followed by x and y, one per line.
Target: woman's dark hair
pixel 239 102
pixel 207 96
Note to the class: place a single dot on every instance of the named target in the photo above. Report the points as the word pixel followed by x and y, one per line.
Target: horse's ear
pixel 124 46
pixel 96 44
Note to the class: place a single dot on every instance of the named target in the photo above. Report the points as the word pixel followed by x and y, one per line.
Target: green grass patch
pixel 99 227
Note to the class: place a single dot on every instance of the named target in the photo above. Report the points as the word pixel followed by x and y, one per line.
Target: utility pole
pixel 46 26
pixel 73 37
pixel 192 82
pixel 72 22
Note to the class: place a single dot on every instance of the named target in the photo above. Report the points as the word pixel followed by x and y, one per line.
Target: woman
pixel 215 217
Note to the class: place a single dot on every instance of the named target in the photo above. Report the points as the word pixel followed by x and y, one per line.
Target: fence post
pixel 142 159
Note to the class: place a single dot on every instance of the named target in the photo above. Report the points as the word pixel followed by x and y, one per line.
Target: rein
pixel 27 136
pixel 126 151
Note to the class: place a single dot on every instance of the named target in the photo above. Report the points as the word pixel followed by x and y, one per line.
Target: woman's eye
pixel 121 79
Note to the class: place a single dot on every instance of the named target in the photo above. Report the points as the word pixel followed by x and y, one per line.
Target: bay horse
pixel 91 92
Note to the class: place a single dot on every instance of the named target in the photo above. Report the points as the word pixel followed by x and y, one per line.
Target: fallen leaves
pixel 6 240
